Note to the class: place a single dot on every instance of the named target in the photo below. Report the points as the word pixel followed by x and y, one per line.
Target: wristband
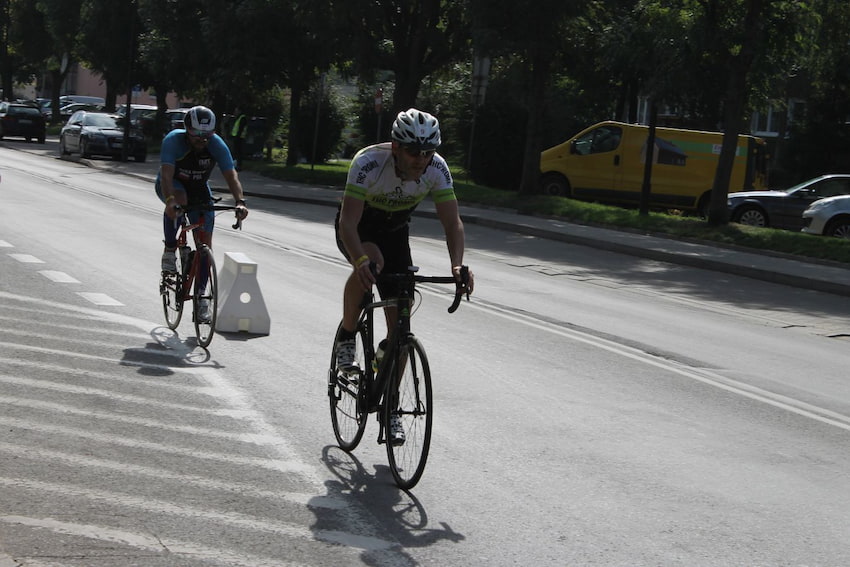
pixel 169 198
pixel 241 202
pixel 361 260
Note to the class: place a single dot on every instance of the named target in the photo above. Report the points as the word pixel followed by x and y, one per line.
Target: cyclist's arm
pixel 235 186
pixel 172 197
pixel 449 214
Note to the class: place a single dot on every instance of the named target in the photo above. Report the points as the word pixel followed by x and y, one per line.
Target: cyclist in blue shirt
pixel 187 158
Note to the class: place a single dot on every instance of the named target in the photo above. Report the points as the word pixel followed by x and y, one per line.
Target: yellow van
pixel 606 163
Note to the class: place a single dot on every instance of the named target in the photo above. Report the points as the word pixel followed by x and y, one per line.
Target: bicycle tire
pixel 205 328
pixel 171 290
pixel 346 392
pixel 412 401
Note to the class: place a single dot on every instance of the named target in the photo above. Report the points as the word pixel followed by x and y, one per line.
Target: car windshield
pixel 101 120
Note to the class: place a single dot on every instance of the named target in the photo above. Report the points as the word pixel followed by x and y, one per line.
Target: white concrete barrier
pixel 240 302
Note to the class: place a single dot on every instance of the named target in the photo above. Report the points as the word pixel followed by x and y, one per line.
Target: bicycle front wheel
pixel 347 391
pixel 412 405
pixel 171 290
pixel 206 297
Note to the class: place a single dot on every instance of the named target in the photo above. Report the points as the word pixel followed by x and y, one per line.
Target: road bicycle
pixel 196 277
pixel 397 384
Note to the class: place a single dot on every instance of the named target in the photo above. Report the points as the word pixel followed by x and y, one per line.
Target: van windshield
pixel 602 139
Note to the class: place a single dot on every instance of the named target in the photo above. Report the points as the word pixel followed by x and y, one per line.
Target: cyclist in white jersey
pixel 385 184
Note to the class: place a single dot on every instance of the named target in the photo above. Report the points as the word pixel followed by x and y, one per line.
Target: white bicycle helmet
pixel 200 120
pixel 416 129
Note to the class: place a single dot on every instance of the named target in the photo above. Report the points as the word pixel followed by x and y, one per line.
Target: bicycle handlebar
pixel 461 287
pixel 207 207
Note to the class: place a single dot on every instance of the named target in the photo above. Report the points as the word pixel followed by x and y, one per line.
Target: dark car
pixel 784 209
pixel 100 133
pixel 175 117
pixel 22 120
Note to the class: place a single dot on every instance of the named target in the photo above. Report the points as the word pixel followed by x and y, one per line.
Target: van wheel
pixel 840 227
pixel 703 205
pixel 751 215
pixel 555 184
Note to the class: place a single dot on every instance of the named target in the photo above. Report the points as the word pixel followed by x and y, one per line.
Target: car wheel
pixel 840 227
pixel 42 140
pixel 84 148
pixel 751 215
pixel 141 158
pixel 555 184
pixel 63 149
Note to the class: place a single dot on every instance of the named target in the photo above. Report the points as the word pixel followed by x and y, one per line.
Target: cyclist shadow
pixel 169 343
pixel 399 513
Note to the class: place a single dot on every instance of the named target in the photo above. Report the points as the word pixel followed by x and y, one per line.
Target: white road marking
pixel 58 277
pixel 26 259
pixel 99 298
pixel 236 519
pixel 699 375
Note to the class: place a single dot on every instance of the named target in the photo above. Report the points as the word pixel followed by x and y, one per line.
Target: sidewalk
pixel 808 274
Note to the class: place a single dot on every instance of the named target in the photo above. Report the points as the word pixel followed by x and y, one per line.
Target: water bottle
pixel 379 355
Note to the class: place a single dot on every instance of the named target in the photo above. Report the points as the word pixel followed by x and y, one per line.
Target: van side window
pixel 603 139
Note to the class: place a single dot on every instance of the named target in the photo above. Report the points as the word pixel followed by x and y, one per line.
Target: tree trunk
pixel 733 110
pixel 292 144
pixel 540 69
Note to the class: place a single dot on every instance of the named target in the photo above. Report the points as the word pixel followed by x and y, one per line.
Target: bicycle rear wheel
pixel 413 405
pixel 206 291
pixel 346 391
pixel 171 290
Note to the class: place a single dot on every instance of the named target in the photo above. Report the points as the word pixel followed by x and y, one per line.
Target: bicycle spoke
pixel 170 288
pixel 348 415
pixel 413 407
pixel 206 291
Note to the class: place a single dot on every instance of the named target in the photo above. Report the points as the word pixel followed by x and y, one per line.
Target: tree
pixel 62 22
pixel 411 39
pixel 108 43
pixel 539 35
pixel 23 54
pixel 754 41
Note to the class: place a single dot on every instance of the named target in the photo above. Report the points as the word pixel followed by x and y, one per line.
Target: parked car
pixel 142 116
pixel 175 117
pixel 100 133
pixel 828 217
pixel 66 111
pixel 784 209
pixel 22 120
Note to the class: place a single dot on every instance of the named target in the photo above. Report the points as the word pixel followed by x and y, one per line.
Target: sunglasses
pixel 416 152
pixel 199 134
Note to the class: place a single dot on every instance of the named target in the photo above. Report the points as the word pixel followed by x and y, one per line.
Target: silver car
pixel 828 217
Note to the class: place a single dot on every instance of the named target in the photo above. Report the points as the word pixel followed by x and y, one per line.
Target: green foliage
pixel 318 142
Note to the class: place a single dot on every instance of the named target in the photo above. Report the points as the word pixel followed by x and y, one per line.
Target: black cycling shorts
pixel 394 246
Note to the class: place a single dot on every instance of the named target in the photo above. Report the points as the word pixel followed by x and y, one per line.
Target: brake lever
pixel 461 289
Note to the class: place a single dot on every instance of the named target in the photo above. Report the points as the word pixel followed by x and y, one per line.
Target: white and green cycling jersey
pixel 389 201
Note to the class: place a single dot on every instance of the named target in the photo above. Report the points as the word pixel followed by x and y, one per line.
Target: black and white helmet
pixel 416 129
pixel 200 120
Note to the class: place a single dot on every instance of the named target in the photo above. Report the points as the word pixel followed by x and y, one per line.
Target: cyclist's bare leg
pixel 353 295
